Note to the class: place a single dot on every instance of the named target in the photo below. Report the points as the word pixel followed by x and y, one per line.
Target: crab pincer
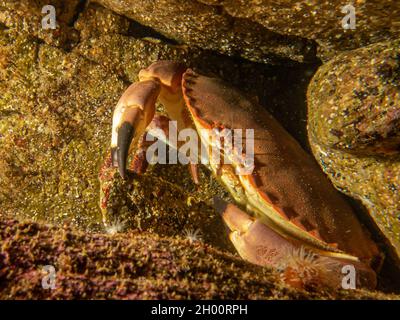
pixel 300 266
pixel 294 217
pixel 136 109
pixel 133 113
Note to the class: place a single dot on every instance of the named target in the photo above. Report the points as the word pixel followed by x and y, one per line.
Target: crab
pixel 285 213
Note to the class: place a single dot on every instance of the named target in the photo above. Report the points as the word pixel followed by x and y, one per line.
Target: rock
pixel 354 119
pixel 53 109
pixel 137 265
pixel 252 29
pixel 165 201
pixel 58 92
pixel 26 16
pixel 56 111
pixel 95 21
pixel 208 27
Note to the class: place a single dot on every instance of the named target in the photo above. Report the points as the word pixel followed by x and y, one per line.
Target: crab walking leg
pixel 160 122
pixel 139 164
pixel 170 73
pixel 254 241
pixel 134 111
pixel 259 244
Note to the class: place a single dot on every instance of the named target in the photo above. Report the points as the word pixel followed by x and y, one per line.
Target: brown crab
pixel 294 218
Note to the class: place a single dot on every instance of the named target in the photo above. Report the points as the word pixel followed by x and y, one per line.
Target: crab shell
pixel 287 190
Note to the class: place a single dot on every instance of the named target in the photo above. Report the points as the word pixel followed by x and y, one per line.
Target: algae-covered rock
pixel 26 16
pixel 56 108
pixel 252 28
pixel 164 201
pixel 354 121
pixel 58 90
pixel 136 265
pixel 375 20
pixel 202 26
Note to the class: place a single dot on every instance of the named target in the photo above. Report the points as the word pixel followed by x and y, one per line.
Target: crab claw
pixel 133 113
pixel 254 241
pixel 300 266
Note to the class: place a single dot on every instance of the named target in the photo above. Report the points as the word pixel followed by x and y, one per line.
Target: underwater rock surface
pixel 56 108
pixel 26 16
pixel 210 27
pixel 354 121
pixel 58 90
pixel 135 265
pixel 285 27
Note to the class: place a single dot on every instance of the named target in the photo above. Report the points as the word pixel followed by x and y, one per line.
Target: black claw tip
pixel 219 205
pixel 125 135
pixel 122 172
pixel 114 157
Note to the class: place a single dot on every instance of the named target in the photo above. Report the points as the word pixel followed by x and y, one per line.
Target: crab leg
pixel 259 244
pixel 252 239
pixel 300 216
pixel 136 108
pixel 134 111
pixel 139 164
